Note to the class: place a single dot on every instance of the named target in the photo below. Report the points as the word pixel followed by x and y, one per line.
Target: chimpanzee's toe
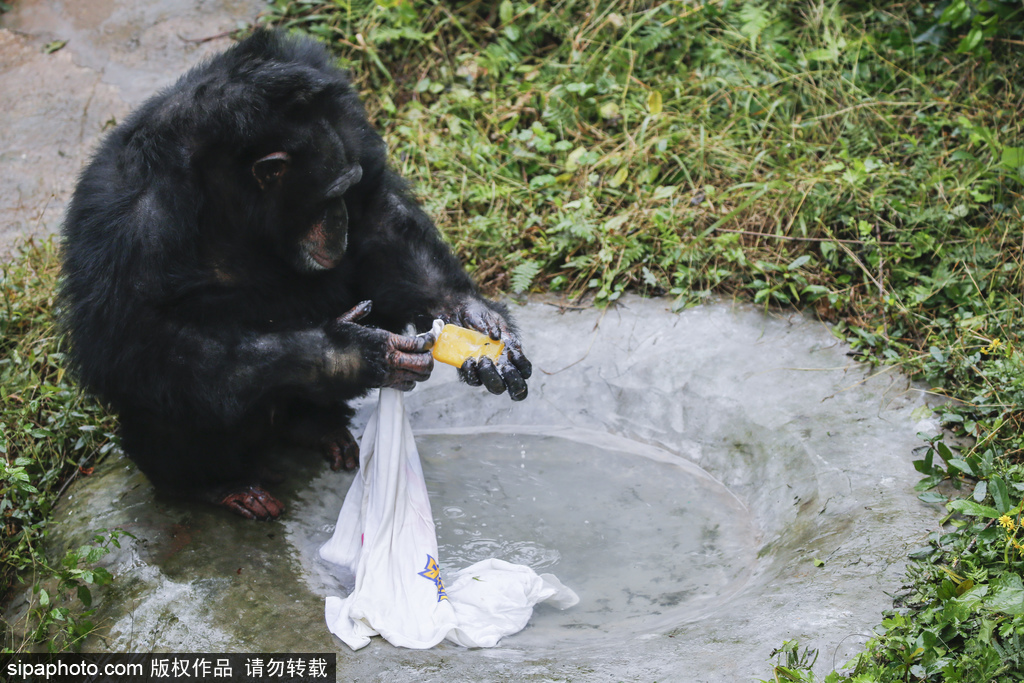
pixel 341 450
pixel 252 502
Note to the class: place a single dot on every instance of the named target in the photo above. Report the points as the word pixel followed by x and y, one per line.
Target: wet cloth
pixel 385 536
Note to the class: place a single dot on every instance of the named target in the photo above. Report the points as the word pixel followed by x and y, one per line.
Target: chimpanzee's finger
pixel 521 362
pixel 351 449
pixel 495 330
pixel 490 376
pixel 484 320
pixel 494 327
pixel 420 343
pixel 468 372
pixel 257 507
pixel 415 366
pixel 234 503
pixel 517 388
pixel 430 336
pixel 360 310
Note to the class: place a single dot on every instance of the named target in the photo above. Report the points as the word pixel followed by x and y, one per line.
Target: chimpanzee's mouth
pixel 325 243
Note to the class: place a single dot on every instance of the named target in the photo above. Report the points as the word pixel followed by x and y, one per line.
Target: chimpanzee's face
pixel 302 178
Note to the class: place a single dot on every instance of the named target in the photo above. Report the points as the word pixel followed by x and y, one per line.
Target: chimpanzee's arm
pixel 216 375
pixel 402 263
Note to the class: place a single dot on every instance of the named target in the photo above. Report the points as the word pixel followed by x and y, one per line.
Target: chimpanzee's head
pixel 299 189
pixel 286 143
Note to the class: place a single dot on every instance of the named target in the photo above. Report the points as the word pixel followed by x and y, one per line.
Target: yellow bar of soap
pixel 455 344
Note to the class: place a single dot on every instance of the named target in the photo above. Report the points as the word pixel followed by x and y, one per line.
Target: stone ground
pixel 56 106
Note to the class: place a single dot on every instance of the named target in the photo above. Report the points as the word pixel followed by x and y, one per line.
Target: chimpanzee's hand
pixel 513 367
pixel 391 360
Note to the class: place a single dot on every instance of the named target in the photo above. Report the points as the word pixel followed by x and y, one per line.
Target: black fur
pixel 192 291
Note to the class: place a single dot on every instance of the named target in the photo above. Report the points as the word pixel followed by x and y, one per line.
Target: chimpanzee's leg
pixel 324 428
pixel 218 467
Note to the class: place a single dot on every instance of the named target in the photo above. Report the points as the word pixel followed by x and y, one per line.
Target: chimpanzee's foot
pixel 341 450
pixel 324 428
pixel 251 502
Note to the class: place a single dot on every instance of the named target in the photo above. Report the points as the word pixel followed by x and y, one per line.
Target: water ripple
pixel 533 555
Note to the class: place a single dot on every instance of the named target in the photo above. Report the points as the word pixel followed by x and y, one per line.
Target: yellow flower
pixel 993 346
pixel 1007 523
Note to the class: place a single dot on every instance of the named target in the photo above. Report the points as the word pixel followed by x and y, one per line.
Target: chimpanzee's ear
pixel 269 170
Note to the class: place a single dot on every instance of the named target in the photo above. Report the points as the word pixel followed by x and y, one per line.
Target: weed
pixel 55 622
pixel 50 433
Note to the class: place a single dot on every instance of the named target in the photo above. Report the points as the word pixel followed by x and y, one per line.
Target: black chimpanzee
pixel 218 253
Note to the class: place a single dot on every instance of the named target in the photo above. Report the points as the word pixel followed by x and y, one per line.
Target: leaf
pixel 506 11
pixel 1013 157
pixel 573 161
pixel 932 497
pixel 929 482
pixel 1000 495
pixel 799 262
pixel 971 41
pixel 942 449
pixel 619 177
pixel 522 275
pixel 654 102
pixel 927 465
pixel 580 89
pixel 962 155
pixel 972 509
pixel 922 412
pixel 962 465
pixel 53 46
pixel 755 19
pixel 980 491
pixel 922 553
pixel 608 110
pixel 814 292
pixel 1007 595
pixel 541 181
pixel 102 577
pixel 957 13
pixel 85 596
pixel 616 222
pixel 90 554
pixel 822 55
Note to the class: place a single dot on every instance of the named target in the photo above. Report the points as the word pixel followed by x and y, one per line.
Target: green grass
pixel 861 159
pixel 50 433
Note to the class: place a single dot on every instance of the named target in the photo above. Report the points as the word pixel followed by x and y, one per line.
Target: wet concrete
pixel 56 106
pixel 812 450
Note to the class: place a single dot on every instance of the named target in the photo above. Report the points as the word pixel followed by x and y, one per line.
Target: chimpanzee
pixel 240 262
